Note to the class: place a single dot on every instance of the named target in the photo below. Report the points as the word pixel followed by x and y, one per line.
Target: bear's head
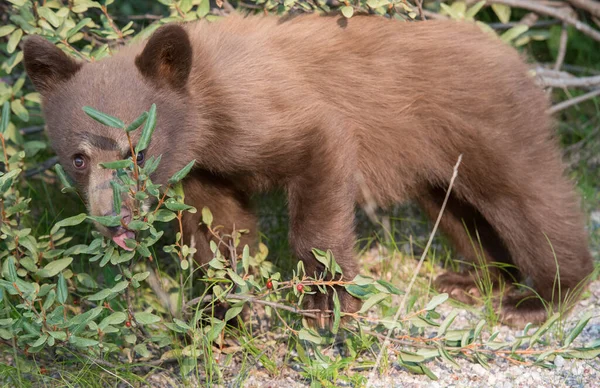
pixel 124 86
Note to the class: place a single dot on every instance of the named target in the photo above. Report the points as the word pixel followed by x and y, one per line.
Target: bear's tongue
pixel 120 239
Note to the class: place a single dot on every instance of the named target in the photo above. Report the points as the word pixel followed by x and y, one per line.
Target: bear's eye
pixel 140 158
pixel 79 161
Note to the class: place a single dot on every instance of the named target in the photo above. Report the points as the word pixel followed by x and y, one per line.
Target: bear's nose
pixel 125 216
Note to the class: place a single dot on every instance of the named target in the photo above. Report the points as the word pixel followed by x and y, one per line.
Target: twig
pixel 591 6
pixel 252 299
pixel 416 272
pixel 573 101
pixel 509 25
pixel 561 79
pixel 420 8
pixel 562 49
pixel 30 130
pixel 549 11
pixel 40 168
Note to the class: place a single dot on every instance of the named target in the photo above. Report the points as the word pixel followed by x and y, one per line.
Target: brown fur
pixel 315 105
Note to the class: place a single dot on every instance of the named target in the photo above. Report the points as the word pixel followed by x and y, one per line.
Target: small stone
pixel 559 361
pixel 477 368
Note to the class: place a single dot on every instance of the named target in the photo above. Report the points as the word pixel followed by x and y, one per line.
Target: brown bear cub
pixel 335 112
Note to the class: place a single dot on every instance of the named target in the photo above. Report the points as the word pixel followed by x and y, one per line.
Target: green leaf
pixel 17 107
pixel 246 258
pixel 309 336
pixel 61 289
pixel 125 163
pixel 185 6
pixel 502 11
pixel 177 206
pixel 83 319
pixel 474 9
pixel 71 221
pixel 6 180
pixel 233 311
pixel 82 23
pixel 81 342
pixel 54 267
pixel 58 335
pixel 360 280
pixel 203 8
pixel 148 130
pixel 115 318
pixel 5 117
pixel 146 318
pixel 40 341
pixel 137 122
pixel 336 313
pixel 447 322
pixel 179 175
pixel 141 276
pixel 49 300
pixel 142 350
pixel 539 332
pixel 116 197
pixel 236 278
pixel 372 301
pixel 5 30
pixel 514 33
pixel 215 329
pixel 107 221
pixel 436 301
pixel 49 15
pixel 62 176
pixel 207 217
pixel 347 11
pixel 14 40
pixel 578 328
pixel 120 286
pixel 103 118
pixel 164 215
pixel 100 295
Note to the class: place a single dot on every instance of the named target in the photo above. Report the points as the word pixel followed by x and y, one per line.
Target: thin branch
pixel 40 168
pixel 417 270
pixel 509 25
pixel 591 6
pixel 562 49
pixel 252 299
pixel 561 79
pixel 573 101
pixel 553 12
pixel 420 8
pixel 30 130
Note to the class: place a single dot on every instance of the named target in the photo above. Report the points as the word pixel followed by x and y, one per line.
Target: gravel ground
pixel 501 374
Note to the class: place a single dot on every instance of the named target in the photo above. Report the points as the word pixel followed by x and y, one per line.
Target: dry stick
pixel 421 260
pixel 561 79
pixel 592 6
pixel 549 11
pixel 420 8
pixel 562 50
pixel 573 101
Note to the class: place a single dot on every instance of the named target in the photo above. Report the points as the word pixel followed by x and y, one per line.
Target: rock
pixel 559 361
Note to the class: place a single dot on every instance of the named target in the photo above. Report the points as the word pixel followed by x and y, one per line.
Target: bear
pixel 336 112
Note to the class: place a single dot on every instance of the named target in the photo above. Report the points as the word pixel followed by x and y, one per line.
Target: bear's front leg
pixel 321 208
pixel 230 209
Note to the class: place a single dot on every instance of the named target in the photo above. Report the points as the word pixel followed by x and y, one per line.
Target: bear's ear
pixel 47 65
pixel 167 57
